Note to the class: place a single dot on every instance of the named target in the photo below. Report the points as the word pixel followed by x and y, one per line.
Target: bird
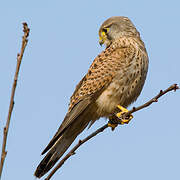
pixel 113 81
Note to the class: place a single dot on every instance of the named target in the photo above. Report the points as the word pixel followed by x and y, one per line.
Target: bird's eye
pixel 106 30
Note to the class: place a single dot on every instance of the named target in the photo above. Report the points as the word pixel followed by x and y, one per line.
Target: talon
pixel 113 126
pixel 126 121
pixel 119 115
pixel 122 109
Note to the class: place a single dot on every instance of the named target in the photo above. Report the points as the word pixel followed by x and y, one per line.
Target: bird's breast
pixel 118 94
pixel 124 88
pixel 110 98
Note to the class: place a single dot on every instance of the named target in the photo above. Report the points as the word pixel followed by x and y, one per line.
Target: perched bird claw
pixel 118 118
pixel 125 120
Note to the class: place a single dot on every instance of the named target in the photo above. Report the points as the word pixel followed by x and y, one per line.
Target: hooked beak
pixel 101 41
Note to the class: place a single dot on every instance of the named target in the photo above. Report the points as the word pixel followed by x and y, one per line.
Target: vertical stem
pixel 11 105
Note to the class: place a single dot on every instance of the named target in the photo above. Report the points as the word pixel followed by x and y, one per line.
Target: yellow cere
pixel 103 34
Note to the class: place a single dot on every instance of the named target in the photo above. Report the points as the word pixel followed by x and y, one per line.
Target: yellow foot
pixel 113 126
pixel 119 115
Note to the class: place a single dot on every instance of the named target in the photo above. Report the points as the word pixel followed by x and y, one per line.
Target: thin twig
pixel 155 99
pixel 101 129
pixel 11 105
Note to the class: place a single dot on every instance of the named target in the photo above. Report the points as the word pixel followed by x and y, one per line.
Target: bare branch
pixel 11 105
pixel 154 99
pixel 101 129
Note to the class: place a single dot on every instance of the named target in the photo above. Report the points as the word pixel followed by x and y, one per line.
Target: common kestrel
pixel 113 81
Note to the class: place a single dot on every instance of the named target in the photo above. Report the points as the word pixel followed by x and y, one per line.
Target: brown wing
pixel 98 77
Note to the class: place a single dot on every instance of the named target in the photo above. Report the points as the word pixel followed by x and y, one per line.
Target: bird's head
pixel 114 28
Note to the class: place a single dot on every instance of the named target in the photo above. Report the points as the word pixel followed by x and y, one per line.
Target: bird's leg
pixel 120 115
pixel 118 118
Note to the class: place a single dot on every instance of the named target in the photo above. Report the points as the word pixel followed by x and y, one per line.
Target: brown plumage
pixel 116 77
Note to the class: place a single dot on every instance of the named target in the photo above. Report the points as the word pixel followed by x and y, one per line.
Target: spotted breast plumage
pixel 116 77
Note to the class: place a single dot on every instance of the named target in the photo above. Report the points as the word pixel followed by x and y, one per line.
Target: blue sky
pixel 62 44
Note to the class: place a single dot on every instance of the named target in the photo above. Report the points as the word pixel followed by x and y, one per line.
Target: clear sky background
pixel 62 44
